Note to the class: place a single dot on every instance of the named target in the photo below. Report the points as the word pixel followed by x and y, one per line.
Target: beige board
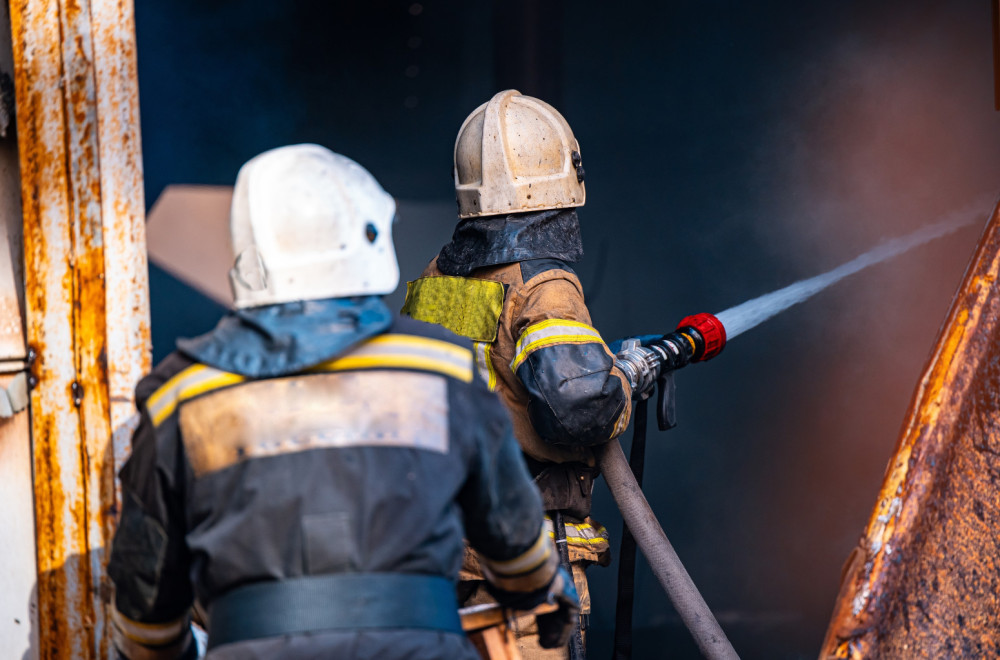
pixel 187 234
pixel 378 409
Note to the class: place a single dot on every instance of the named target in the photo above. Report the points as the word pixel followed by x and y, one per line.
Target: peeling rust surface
pixel 123 210
pixel 924 580
pixel 60 510
pixel 85 298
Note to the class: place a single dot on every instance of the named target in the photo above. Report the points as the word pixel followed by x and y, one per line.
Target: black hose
pixel 661 556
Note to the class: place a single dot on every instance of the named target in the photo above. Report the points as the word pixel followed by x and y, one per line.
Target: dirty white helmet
pixel 516 154
pixel 306 224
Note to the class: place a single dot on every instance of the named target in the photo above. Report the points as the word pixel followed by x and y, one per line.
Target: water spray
pixel 752 313
pixel 648 362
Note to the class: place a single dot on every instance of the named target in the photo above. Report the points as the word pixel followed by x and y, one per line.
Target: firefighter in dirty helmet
pixel 308 469
pixel 506 281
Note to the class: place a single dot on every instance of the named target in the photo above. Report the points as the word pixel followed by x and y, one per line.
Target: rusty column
pixel 85 292
pixel 923 582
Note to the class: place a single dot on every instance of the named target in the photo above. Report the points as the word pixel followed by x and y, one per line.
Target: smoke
pixel 884 127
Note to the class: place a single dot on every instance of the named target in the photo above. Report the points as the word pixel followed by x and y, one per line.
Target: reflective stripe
pixel 622 422
pixel 382 352
pixel 406 352
pixel 549 333
pixel 580 533
pixel 529 571
pixel 527 561
pixel 485 364
pixel 388 408
pixel 189 383
pixel 149 634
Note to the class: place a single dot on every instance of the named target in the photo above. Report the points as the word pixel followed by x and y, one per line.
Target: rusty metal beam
pixel 85 282
pixel 924 581
pixel 123 211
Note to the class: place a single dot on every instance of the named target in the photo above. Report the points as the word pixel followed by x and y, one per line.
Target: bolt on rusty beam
pixel 922 582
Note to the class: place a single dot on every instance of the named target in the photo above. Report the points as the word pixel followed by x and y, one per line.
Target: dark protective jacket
pixel 505 283
pixel 376 460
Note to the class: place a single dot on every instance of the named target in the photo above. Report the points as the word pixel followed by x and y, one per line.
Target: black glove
pixel 555 628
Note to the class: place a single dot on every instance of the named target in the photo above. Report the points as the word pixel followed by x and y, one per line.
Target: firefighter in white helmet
pixel 308 469
pixel 505 281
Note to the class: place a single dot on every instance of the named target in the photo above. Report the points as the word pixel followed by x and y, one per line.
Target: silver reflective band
pixel 549 333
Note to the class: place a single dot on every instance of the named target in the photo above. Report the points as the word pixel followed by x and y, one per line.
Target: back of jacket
pixel 537 350
pixel 378 460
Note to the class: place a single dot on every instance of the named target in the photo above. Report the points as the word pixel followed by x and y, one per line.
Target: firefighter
pixel 506 281
pixel 306 471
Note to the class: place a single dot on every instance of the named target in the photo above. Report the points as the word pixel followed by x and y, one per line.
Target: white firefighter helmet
pixel 307 224
pixel 516 154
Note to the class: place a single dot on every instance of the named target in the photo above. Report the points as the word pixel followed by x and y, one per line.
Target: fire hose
pixel 666 565
pixel 646 364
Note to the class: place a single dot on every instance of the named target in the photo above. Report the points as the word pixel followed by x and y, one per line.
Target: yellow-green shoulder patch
pixel 466 306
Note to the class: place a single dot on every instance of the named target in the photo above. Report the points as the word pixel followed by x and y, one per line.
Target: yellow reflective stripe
pixel 158 397
pixel 527 561
pixel 406 352
pixel 384 351
pixel 622 422
pixel 549 333
pixel 191 382
pixel 581 533
pixel 484 363
pixel 149 634
pixel 581 539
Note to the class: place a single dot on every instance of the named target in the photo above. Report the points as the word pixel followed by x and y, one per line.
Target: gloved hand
pixel 555 628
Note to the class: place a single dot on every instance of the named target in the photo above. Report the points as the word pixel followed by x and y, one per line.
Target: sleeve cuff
pixel 151 641
pixel 531 570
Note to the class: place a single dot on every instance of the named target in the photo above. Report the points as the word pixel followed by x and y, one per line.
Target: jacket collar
pixel 277 340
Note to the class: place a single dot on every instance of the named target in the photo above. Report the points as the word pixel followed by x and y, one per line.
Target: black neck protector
pixel 502 239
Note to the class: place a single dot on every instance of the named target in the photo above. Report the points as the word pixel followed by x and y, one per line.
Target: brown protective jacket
pixel 539 352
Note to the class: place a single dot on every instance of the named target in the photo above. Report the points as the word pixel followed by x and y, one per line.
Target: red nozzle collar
pixel 711 330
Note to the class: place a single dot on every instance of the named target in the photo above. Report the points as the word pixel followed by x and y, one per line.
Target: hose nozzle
pixel 708 333
pixel 696 339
